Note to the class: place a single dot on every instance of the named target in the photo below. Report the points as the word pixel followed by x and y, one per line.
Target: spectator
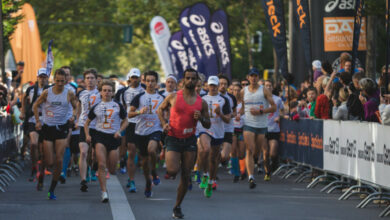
pixel 294 115
pixel 369 97
pixel 18 74
pixel 322 108
pixel 345 78
pixel 354 105
pixel 340 112
pixel 317 69
pixel 326 68
pixel 307 105
pixel 348 66
pixel 290 95
pixel 3 100
pixel 384 109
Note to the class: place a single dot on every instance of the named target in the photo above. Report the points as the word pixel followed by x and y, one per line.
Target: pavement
pixel 277 199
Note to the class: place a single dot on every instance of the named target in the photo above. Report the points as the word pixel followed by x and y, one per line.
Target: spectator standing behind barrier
pixel 3 101
pixel 316 69
pixel 340 112
pixel 369 97
pixel 322 108
pixel 384 109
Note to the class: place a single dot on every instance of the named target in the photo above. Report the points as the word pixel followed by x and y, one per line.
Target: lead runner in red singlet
pixel 186 109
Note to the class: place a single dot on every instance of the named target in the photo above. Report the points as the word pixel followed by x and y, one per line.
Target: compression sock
pixel 53 185
pixel 65 161
pixel 235 166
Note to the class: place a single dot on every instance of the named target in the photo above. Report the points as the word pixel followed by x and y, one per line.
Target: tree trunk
pixel 371 46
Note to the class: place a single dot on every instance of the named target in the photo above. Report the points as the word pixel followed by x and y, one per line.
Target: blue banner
pixel 192 47
pixel 177 54
pixel 302 17
pixel 356 30
pixel 274 16
pixel 199 19
pixel 219 28
pixel 49 59
pixel 302 141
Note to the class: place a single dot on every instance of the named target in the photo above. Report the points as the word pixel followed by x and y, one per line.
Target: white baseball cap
pixel 213 80
pixel 134 72
pixel 316 64
pixel 41 71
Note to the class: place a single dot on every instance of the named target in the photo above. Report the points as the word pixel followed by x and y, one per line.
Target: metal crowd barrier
pixel 345 155
pixel 11 141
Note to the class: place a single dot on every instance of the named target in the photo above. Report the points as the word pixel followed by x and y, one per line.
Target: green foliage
pixel 9 23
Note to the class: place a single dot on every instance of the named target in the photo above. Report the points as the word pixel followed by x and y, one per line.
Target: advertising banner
pixel 177 54
pixel 219 28
pixel 358 150
pixel 356 30
pixel 274 16
pixel 302 141
pixel 199 20
pixel 161 34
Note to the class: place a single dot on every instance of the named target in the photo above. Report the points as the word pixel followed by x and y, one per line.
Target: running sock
pixel 53 185
pixel 251 177
pixel 66 160
pixel 242 166
pixel 235 166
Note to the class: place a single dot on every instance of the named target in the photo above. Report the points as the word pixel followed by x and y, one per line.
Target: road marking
pixel 120 207
pixel 159 199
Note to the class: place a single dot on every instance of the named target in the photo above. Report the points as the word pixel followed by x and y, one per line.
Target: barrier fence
pixel 346 151
pixel 11 141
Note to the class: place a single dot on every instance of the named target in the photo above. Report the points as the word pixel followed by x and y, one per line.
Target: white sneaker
pixel 104 197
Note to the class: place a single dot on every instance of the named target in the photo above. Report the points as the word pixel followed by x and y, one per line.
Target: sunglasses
pixel 244 84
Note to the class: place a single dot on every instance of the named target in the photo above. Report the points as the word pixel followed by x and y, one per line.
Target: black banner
pixel 274 16
pixel 356 31
pixel 302 141
pixel 302 17
pixel 387 45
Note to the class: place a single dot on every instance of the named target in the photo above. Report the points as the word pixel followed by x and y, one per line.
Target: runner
pixel 108 115
pixel 238 146
pixel 88 98
pixel 273 133
pixel 148 128
pixel 224 83
pixel 55 129
pixel 256 105
pixel 170 86
pixel 32 94
pixel 133 78
pixel 69 85
pixel 186 108
pixel 211 138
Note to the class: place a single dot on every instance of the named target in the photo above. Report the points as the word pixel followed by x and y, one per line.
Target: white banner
pixel 358 150
pixel 160 34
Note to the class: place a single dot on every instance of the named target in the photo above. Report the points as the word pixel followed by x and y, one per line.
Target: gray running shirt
pixel 56 108
pixel 255 100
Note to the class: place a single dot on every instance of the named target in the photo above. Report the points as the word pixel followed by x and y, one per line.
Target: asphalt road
pixel 277 199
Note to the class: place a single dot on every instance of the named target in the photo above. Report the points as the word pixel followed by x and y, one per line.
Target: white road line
pixel 120 207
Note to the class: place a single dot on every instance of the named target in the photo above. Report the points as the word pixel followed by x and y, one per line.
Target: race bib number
pixel 188 130
pixel 149 124
pixel 106 125
pixel 50 114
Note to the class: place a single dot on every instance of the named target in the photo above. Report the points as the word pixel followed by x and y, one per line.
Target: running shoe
pixel 69 171
pixel 267 177
pixel 236 179
pixel 84 186
pixel 47 173
pixel 197 178
pixel 132 188
pixel 128 183
pixel 51 196
pixel 252 184
pixel 208 191
pixel 203 184
pixel 215 185
pixel 104 197
pixel 156 180
pixel 62 178
pixel 148 190
pixel 177 213
pixel 123 170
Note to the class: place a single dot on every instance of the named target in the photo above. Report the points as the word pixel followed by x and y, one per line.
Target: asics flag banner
pixel 219 28
pixel 177 54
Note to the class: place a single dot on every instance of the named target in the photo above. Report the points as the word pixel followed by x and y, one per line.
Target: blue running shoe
pixel 128 183
pixel 51 196
pixel 156 180
pixel 123 170
pixel 132 188
pixel 148 192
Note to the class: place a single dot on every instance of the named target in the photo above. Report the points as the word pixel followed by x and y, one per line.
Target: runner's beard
pixel 190 86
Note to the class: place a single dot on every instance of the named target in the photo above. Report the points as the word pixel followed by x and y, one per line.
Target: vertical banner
pixel 49 59
pixel 356 30
pixel 178 54
pixel 273 10
pixel 160 34
pixel 199 20
pixel 193 49
pixel 302 16
pixel 387 45
pixel 219 27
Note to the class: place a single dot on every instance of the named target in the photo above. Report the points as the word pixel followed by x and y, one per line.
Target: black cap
pixel 20 63
pixel 254 71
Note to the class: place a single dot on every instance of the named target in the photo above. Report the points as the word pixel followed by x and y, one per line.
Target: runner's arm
pixel 164 107
pixel 242 110
pixel 205 119
pixel 41 99
pixel 268 96
pixel 74 102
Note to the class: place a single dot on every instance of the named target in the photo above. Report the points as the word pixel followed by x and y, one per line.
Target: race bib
pixel 50 114
pixel 106 125
pixel 149 124
pixel 188 130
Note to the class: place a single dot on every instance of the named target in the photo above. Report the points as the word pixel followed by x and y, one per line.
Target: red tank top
pixel 181 119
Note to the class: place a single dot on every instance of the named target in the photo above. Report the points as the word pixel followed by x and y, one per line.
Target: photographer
pixel 17 75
